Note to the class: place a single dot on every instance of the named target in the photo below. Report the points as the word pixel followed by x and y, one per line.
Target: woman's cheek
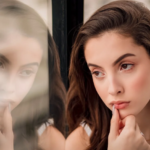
pixel 23 86
pixel 100 88
pixel 138 91
pixel 140 82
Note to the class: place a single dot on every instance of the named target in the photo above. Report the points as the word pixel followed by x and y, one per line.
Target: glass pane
pixel 31 89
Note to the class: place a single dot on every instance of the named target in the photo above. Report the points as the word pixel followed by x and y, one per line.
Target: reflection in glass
pixel 30 82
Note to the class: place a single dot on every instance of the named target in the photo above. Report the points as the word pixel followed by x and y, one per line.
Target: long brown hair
pixel 128 18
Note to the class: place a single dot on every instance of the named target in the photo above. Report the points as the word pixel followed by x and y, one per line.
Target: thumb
pixel 7 122
pixel 114 127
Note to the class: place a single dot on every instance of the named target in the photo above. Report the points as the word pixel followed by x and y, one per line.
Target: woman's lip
pixel 121 105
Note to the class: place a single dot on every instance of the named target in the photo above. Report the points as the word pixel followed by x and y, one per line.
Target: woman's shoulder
pixel 51 139
pixel 78 139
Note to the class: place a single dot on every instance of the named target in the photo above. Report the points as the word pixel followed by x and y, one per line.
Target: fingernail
pixel 113 110
pixel 142 133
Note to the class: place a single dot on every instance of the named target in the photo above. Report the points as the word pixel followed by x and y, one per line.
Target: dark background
pixel 67 17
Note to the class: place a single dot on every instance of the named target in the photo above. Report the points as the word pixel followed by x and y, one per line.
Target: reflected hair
pixel 128 18
pixel 46 97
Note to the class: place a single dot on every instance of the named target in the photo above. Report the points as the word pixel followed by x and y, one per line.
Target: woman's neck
pixel 144 122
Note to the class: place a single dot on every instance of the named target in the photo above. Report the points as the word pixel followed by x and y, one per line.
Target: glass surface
pixel 32 93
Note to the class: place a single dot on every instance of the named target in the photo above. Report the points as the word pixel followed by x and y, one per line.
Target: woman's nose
pixel 114 86
pixel 7 83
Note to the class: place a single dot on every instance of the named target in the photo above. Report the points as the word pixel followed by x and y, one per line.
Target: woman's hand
pixel 129 138
pixel 6 133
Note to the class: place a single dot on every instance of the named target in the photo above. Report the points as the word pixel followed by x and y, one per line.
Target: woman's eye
pixel 26 73
pixel 126 66
pixel 97 74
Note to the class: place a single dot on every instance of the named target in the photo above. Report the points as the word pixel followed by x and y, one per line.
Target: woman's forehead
pixel 17 47
pixel 109 47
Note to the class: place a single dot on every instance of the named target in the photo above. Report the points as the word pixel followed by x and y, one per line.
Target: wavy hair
pixel 128 18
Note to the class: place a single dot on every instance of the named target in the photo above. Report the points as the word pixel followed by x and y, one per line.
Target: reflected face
pixel 120 72
pixel 20 58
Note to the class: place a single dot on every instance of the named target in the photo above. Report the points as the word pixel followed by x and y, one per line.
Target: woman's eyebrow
pixel 7 61
pixel 4 58
pixel 116 61
pixel 122 57
pixel 93 65
pixel 31 64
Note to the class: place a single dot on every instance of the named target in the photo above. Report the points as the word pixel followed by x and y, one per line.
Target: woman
pixel 110 69
pixel 30 81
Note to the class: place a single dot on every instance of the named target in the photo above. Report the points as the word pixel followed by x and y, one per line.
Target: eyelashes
pixel 97 74
pixel 26 73
pixel 125 67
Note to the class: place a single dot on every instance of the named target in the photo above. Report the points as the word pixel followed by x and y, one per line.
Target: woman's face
pixel 120 72
pixel 20 57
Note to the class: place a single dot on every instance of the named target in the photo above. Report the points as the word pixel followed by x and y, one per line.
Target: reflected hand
pixel 129 137
pixel 6 133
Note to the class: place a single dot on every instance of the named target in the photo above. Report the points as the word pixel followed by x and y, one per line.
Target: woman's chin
pixel 124 114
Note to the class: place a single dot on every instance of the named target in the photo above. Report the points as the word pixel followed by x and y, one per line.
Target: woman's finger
pixel 7 122
pixel 114 127
pixel 3 105
pixel 129 122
